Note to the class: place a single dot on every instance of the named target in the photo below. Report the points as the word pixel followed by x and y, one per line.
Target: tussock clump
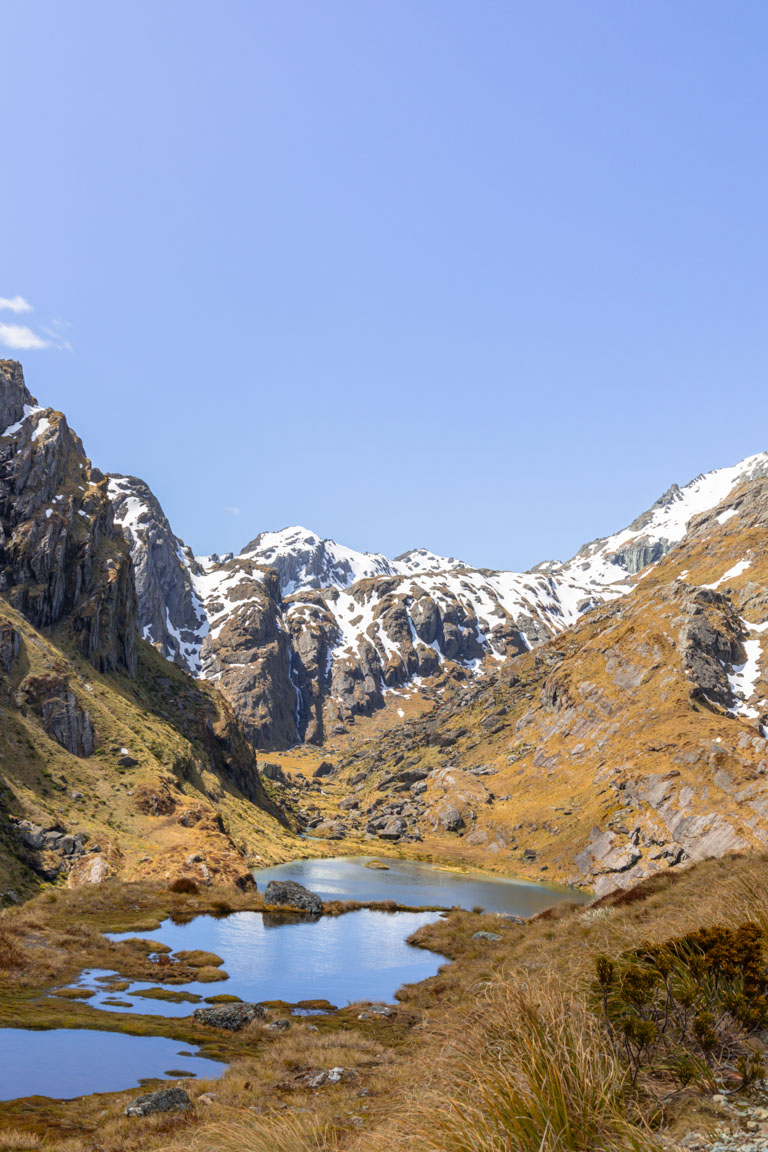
pixel 281 1134
pixel 184 885
pixel 13 1140
pixel 533 1073
pixel 11 955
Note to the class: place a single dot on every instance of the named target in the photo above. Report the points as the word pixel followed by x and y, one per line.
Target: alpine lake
pixel 294 965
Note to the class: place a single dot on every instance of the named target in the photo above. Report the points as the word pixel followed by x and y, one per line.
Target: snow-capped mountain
pixel 303 560
pixel 302 633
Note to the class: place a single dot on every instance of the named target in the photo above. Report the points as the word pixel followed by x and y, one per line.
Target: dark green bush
pixel 685 1008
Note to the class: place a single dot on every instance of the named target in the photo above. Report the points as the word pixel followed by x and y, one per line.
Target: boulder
pixel 393 829
pixel 450 818
pixel 230 1016
pixel 332 1076
pixel 166 1100
pixel 492 936
pixel 33 836
pixel 293 894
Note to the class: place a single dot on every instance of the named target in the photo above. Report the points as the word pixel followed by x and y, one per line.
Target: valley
pixel 488 786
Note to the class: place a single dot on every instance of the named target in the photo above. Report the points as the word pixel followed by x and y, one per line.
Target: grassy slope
pixel 187 749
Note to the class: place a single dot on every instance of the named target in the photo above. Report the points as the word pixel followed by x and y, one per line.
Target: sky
pixel 480 277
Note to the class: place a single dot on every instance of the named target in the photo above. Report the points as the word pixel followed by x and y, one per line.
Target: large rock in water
pixel 166 1100
pixel 296 895
pixel 230 1016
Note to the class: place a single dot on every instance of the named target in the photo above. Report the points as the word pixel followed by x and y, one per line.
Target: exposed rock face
pixel 64 720
pixel 10 646
pixel 249 658
pixel 169 612
pixel 302 634
pixel 60 554
pixel 711 636
pixel 294 895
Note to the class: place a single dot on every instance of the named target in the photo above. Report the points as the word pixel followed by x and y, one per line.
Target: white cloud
pixel 14 304
pixel 19 337
pixel 232 509
pixel 22 338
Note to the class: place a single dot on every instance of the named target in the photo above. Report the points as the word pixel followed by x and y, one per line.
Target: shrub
pixel 685 1006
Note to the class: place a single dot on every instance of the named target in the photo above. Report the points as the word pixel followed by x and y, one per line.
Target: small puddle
pixel 66 1062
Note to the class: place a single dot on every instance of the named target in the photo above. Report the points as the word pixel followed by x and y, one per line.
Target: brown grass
pixel 185 885
pixel 531 1073
pixel 276 1134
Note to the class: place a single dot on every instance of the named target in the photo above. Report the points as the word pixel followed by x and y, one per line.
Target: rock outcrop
pixel 165 1100
pixel 232 1017
pixel 62 716
pixel 60 553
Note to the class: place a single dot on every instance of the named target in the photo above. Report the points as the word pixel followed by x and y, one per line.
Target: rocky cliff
pixel 82 699
pixel 61 556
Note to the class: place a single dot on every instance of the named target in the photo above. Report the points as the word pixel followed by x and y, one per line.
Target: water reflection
pixel 68 1062
pixel 360 956
pixel 415 883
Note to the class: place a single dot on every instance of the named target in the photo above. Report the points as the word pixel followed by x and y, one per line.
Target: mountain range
pixel 301 634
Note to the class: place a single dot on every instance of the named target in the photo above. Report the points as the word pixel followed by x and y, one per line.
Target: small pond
pixel 362 955
pixel 68 1062
pixel 415 883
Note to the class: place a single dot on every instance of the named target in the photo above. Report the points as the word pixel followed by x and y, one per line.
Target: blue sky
pixel 483 277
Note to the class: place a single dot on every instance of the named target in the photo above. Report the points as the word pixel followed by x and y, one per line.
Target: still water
pixel 417 884
pixel 360 956
pixel 68 1062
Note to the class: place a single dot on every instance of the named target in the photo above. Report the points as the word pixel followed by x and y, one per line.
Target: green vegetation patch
pixel 686 1008
pixel 168 994
pixel 198 958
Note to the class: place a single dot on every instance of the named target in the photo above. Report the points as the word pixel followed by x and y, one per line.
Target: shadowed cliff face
pixel 60 553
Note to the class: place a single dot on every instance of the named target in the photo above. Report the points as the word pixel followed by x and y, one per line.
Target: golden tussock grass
pixel 276 1134
pixel 530 1073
